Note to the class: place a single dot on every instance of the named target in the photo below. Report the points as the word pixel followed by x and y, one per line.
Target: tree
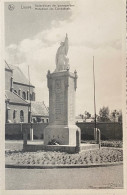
pixel 104 114
pixel 116 116
pixel 87 115
pixel 120 116
pixel 82 116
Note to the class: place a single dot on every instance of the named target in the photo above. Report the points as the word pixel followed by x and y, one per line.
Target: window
pixel 47 120
pixel 34 120
pixel 11 87
pixel 30 96
pixel 27 95
pixel 33 96
pixel 24 95
pixel 14 114
pixel 19 91
pixel 38 119
pixel 21 116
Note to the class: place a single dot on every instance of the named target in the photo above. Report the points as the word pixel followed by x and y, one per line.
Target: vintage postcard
pixel 63 97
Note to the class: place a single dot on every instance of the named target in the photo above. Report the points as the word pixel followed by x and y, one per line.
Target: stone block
pixel 62 88
pixel 64 135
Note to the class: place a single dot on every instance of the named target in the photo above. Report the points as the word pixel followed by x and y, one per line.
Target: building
pixel 82 119
pixel 40 113
pixel 20 98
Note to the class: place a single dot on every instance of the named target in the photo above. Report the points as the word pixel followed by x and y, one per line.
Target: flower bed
pixel 104 155
pixel 107 143
pixel 116 144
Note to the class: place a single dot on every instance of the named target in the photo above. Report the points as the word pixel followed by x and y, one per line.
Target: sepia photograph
pixel 64 106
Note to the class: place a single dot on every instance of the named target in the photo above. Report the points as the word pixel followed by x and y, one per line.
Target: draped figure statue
pixel 62 61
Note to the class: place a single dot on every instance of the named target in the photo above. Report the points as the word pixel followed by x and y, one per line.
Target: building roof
pixel 7 66
pixel 18 75
pixel 14 98
pixel 39 109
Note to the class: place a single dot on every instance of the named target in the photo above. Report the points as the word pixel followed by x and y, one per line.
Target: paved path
pixel 78 178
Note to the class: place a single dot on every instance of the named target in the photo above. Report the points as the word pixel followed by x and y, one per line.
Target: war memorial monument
pixel 62 134
pixel 62 86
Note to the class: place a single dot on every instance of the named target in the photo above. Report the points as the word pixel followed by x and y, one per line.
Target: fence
pixel 15 130
pixel 108 130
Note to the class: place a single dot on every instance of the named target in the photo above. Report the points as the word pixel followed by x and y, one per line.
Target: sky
pixel 94 28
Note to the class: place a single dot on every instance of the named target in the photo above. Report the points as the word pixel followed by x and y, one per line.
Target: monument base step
pixel 89 146
pixel 33 147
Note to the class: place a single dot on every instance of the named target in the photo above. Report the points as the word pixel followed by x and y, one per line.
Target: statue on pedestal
pixel 62 61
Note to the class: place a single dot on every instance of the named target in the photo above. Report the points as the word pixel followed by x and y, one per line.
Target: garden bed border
pixel 62 166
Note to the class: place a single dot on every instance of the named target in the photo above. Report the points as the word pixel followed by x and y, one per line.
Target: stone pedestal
pixel 62 87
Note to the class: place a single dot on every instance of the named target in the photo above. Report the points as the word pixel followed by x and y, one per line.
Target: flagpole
pixel 94 94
